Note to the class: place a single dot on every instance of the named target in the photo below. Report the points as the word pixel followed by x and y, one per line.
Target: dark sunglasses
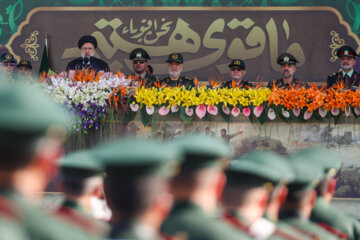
pixel 137 61
pixel 8 64
pixel 236 69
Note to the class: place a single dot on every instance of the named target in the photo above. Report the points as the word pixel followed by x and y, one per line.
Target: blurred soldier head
pixel 250 180
pixel 201 179
pixel 287 64
pixel 301 191
pixel 24 68
pixel 330 163
pixel 136 179
pixel 8 63
pixel 31 135
pixel 347 56
pixel 87 45
pixel 82 179
pixel 175 65
pixel 237 69
pixel 140 58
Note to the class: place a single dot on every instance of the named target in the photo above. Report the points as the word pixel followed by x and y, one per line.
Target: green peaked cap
pixel 328 160
pixel 307 172
pixel 201 151
pixel 265 165
pixel 26 110
pixel 136 158
pixel 80 163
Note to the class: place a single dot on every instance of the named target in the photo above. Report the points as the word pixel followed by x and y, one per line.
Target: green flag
pixel 44 66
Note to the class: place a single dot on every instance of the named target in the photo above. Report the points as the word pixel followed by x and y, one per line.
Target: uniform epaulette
pixel 187 78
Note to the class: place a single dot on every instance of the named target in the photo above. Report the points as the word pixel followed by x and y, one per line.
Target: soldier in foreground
pixel 333 220
pixel 37 127
pixel 301 197
pixel 82 180
pixel 135 186
pixel 197 189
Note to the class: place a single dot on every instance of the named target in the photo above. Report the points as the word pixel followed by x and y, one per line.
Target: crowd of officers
pixel 190 188
pixel 143 71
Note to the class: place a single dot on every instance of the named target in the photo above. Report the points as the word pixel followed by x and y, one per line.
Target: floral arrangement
pixel 91 97
pixel 262 104
pixel 86 94
pixel 201 101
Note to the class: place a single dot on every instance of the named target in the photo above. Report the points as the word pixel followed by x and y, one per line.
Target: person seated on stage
pixel 237 73
pixel 8 63
pixel 24 68
pixel 347 74
pixel 140 64
pixel 287 64
pixel 87 45
pixel 175 67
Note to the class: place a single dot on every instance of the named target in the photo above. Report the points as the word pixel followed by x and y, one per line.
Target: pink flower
pixel 357 111
pixel 296 111
pixel 307 114
pixel 149 110
pixel 347 111
pixel 134 107
pixel 213 110
pixel 258 111
pixel 271 114
pixel 247 112
pixel 163 111
pixel 322 112
pixel 285 113
pixel 226 110
pixel 175 108
pixel 189 111
pixel 335 111
pixel 201 111
pixel 235 111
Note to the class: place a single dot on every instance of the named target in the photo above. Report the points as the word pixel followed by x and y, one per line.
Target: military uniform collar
pixel 291 213
pixel 73 204
pixel 349 73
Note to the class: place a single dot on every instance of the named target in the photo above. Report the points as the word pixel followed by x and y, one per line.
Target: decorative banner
pixel 208 38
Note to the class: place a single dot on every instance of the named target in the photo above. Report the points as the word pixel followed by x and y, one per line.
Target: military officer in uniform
pixel 8 64
pixel 38 127
pixel 81 181
pixel 347 75
pixel 87 45
pixel 237 73
pixel 196 190
pixel 140 59
pixel 287 64
pixel 135 185
pixel 333 220
pixel 297 208
pixel 251 180
pixel 24 68
pixel 175 67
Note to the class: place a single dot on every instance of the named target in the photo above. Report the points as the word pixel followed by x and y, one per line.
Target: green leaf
pixel 184 116
pixel 226 117
pixel 145 118
pixel 338 118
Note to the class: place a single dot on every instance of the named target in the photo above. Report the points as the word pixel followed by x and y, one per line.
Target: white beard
pixel 174 74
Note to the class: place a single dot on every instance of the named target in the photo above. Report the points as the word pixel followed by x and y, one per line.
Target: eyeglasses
pixel 137 61
pixel 9 64
pixel 236 69
pixel 87 48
